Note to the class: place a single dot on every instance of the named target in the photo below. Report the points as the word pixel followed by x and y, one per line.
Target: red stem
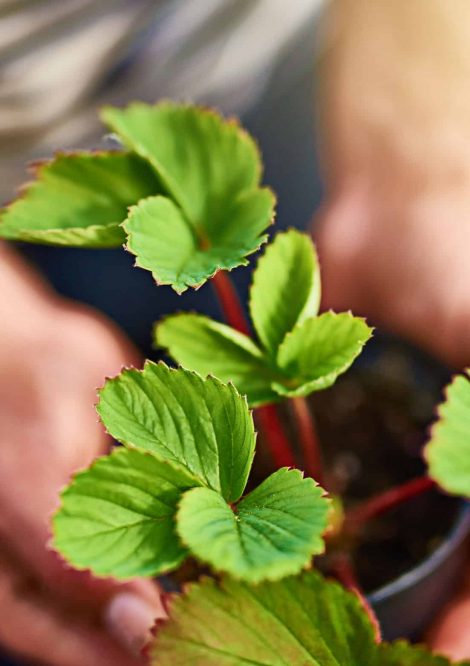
pixel 308 439
pixel 273 430
pixel 229 302
pixel 385 501
pixel 344 572
pixel 268 418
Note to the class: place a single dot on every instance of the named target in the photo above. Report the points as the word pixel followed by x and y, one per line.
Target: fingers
pixel 130 618
pixel 450 635
pixel 101 622
pixel 35 629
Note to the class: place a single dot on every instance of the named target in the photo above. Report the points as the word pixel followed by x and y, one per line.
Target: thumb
pixel 127 610
pixel 449 635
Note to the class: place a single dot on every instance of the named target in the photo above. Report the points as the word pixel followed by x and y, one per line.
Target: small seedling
pixel 184 196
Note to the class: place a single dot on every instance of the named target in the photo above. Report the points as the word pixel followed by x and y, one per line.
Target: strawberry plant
pixel 184 195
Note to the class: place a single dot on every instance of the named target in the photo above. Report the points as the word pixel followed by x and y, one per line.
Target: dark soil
pixel 372 425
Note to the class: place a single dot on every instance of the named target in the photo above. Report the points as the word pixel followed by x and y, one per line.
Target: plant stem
pixel 268 418
pixel 273 430
pixel 344 572
pixel 385 501
pixel 308 438
pixel 229 302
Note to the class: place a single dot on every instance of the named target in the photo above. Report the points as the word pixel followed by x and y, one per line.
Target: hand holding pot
pixel 53 356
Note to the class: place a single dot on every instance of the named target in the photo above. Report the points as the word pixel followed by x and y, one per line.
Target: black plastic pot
pixel 406 606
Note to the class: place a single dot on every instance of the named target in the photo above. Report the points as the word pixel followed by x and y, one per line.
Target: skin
pixel 393 232
pixel 53 355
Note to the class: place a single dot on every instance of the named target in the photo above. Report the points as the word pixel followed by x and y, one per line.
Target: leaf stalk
pixel 306 430
pixel 267 417
pixel 383 502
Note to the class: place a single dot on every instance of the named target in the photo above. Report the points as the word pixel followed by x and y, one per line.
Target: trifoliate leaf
pixel 199 423
pixel 79 199
pixel 298 621
pixel 318 351
pixel 285 289
pixel 273 532
pixel 118 517
pixel 448 451
pixel 299 351
pixel 211 171
pixel 206 346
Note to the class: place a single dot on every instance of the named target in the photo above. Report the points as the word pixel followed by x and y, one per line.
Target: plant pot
pixel 415 555
pixel 406 606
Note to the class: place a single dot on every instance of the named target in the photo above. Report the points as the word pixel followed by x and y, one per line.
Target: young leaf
pixel 448 451
pixel 272 532
pixel 285 289
pixel 118 517
pixel 176 254
pixel 302 352
pixel 79 199
pixel 211 170
pixel 318 351
pixel 199 423
pixel 298 621
pixel 206 346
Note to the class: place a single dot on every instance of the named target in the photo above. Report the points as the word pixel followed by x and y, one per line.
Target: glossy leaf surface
pixel 208 347
pixel 298 621
pixel 318 351
pixel 216 211
pixel 272 532
pixel 79 199
pixel 199 423
pixel 118 517
pixel 285 289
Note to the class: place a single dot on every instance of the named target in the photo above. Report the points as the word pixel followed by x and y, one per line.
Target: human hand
pixel 53 356
pixel 393 233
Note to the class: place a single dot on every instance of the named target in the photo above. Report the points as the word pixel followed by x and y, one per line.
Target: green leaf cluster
pixel 299 621
pixel 191 178
pixel 177 487
pixel 298 351
pixel 448 450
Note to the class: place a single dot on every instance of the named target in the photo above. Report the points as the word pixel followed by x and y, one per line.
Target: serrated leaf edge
pixel 51 544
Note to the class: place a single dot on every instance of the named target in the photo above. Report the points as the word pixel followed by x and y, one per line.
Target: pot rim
pixel 455 538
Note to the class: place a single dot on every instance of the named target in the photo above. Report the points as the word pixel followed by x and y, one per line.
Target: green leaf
pixel 401 653
pixel 273 532
pixel 285 289
pixel 199 423
pixel 211 171
pixel 165 244
pixel 298 621
pixel 309 359
pixel 318 351
pixel 206 346
pixel 448 451
pixel 79 199
pixel 118 517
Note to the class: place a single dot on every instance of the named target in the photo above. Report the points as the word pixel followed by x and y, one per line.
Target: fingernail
pixel 129 619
